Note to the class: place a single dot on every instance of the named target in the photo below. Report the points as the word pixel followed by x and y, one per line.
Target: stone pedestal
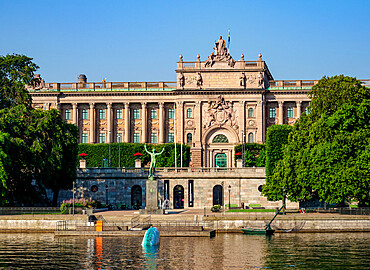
pixel 151 197
pixel 83 163
pixel 239 163
pixel 138 163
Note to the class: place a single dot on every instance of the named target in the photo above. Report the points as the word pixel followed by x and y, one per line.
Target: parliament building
pixel 212 106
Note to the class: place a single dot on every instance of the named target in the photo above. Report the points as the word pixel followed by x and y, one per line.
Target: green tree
pixel 276 139
pixel 327 155
pixel 330 93
pixel 38 149
pixel 15 72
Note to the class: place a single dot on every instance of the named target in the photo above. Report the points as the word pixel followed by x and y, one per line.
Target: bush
pixel 254 154
pixel 97 152
pixel 216 208
pixel 79 203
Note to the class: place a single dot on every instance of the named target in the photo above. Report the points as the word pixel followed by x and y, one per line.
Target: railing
pixel 238 64
pixel 28 210
pixel 109 86
pixel 301 83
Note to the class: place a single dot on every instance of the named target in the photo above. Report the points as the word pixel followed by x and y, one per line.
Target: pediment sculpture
pixel 220 54
pixel 219 113
pixel 37 83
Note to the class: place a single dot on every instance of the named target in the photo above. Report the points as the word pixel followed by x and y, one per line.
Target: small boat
pixel 266 231
pixel 258 231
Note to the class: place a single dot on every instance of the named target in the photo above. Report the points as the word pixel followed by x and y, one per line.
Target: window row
pixel 119 114
pixel 136 137
pixel 272 112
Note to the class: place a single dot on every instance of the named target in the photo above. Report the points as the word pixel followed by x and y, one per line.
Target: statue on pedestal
pixel 153 160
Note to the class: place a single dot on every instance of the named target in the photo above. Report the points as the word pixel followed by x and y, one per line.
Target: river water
pixel 225 251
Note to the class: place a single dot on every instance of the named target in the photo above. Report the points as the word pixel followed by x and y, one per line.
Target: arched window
pixel 250 138
pixel 189 113
pixel 189 138
pixel 220 139
pixel 217 195
pixel 250 112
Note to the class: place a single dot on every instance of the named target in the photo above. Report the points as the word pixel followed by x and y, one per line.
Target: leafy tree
pixel 327 155
pixel 330 93
pixel 276 139
pixel 15 72
pixel 38 149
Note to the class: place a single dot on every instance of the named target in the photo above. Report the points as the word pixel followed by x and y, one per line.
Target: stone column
pixel 47 106
pixel 127 122
pixel 281 112
pixel 144 124
pixel 74 114
pixel 180 121
pixel 197 139
pixel 92 123
pixel 299 109
pixel 109 122
pixel 241 119
pixel 161 123
pixel 261 119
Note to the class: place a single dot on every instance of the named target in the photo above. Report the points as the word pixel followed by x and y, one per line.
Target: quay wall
pixel 309 224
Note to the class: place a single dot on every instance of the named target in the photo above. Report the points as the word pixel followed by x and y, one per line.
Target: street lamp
pixel 106 194
pixel 109 136
pixel 229 188
pixel 119 150
pixel 243 146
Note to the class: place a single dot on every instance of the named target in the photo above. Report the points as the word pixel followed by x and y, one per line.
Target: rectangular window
pixel 85 138
pixel 119 137
pixel 67 114
pixel 101 114
pixel 119 113
pixel 272 113
pixel 153 138
pixel 171 113
pixel 171 138
pixel 290 112
pixel 136 114
pixel 153 113
pixel 85 114
pixel 101 137
pixel 136 138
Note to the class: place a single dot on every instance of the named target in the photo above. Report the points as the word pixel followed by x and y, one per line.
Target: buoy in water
pixel 151 237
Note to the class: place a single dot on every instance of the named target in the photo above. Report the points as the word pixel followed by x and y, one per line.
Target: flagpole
pixel 174 127
pixel 228 41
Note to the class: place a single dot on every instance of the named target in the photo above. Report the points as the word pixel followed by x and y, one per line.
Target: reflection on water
pixel 225 251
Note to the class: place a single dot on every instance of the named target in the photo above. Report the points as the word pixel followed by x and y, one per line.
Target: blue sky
pixel 142 40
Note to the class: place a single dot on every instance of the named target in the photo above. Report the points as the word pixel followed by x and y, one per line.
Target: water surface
pixel 225 251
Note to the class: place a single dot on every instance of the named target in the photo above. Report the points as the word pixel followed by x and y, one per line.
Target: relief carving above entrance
pixel 220 113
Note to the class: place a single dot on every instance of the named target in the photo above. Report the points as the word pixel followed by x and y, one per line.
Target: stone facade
pixel 218 96
pixel 198 187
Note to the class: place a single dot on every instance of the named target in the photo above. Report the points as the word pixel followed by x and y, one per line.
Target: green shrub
pixel 254 154
pixel 216 208
pixel 96 153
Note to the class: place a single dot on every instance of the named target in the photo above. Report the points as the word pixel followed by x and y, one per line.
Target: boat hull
pixel 257 231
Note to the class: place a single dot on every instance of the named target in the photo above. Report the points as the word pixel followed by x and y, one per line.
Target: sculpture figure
pixel 181 79
pixel 153 160
pixel 220 47
pixel 199 80
pixel 260 79
pixel 243 80
pixel 209 62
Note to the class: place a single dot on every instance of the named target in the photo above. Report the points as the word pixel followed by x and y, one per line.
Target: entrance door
pixel 178 197
pixel 221 160
pixel 217 195
pixel 136 197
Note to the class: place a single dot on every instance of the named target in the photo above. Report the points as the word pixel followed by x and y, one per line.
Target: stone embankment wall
pixel 304 223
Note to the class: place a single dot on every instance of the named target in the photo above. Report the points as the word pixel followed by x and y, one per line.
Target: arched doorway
pixel 217 195
pixel 136 197
pixel 221 160
pixel 178 197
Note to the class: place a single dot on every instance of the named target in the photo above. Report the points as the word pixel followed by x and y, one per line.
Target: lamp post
pixel 119 150
pixel 229 188
pixel 106 195
pixel 243 152
pixel 109 136
pixel 73 201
